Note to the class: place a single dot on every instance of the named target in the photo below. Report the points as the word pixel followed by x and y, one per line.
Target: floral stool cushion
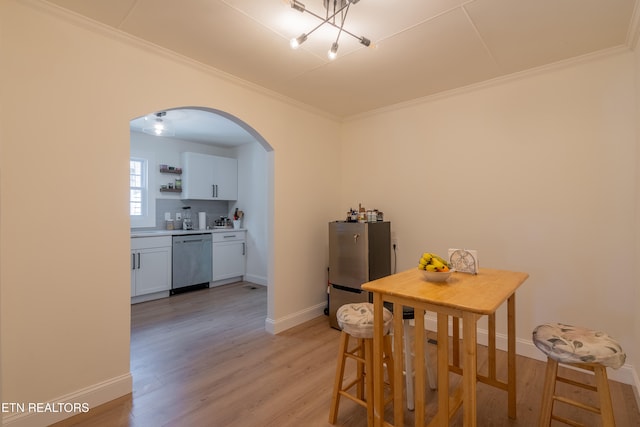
pixel 573 344
pixel 356 319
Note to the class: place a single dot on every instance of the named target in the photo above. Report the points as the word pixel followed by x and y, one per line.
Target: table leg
pixel 378 369
pixel 418 344
pixel 469 339
pixel 398 348
pixel 443 370
pixel 511 355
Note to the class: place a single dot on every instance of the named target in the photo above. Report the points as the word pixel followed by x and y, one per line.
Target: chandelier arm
pixel 344 18
pixel 328 18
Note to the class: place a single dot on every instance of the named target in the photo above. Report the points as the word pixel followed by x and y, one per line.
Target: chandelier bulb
pixel 296 42
pixel 333 52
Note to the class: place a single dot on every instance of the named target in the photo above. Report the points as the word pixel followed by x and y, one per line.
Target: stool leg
pixel 602 383
pixel 360 369
pixel 431 374
pixel 408 365
pixel 337 384
pixel 388 358
pixel 547 392
pixel 368 358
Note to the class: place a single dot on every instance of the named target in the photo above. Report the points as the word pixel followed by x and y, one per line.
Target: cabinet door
pixel 225 177
pixel 197 176
pixel 228 259
pixel 153 272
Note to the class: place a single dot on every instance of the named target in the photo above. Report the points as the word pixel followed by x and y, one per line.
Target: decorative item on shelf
pixel 172 187
pixel 170 169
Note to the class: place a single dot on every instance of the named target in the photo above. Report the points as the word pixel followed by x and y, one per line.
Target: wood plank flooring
pixel 204 359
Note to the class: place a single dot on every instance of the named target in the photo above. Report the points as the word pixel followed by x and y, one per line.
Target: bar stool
pixel 408 315
pixel 356 321
pixel 582 348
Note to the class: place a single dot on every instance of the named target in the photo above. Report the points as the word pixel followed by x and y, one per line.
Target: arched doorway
pixel 216 132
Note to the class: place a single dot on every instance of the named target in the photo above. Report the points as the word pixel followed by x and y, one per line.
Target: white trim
pixel 94 395
pixel 525 347
pixel 258 280
pixel 275 326
pixel 499 80
pixel 123 37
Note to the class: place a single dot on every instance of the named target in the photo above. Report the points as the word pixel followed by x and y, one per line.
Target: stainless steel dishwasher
pixel 191 265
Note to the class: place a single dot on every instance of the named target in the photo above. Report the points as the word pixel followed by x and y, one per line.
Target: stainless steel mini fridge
pixel 358 252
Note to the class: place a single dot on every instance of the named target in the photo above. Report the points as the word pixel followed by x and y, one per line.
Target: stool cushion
pixel 356 319
pixel 573 344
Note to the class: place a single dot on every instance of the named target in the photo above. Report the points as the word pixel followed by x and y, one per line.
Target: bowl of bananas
pixel 434 268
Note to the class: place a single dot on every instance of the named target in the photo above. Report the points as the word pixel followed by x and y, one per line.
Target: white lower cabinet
pixel 150 267
pixel 229 255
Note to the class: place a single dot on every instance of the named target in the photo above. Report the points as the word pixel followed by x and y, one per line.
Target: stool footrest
pixel 576 383
pixel 577 404
pixel 567 421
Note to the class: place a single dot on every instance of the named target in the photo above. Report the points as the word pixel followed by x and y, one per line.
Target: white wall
pixel 65 313
pixel 253 194
pixel 537 173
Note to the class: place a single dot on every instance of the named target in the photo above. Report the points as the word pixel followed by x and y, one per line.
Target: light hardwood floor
pixel 204 359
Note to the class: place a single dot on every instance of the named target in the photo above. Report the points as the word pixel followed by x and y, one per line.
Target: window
pixel 141 204
pixel 137 186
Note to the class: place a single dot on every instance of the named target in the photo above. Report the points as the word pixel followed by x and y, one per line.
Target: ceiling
pixel 420 47
pixel 198 125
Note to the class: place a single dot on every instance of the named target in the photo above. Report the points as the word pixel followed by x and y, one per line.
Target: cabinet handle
pixel 133 261
pixel 243 251
pixel 229 236
pixel 213 190
pixel 138 260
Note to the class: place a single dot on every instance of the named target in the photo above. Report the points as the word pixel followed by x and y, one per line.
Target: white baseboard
pixel 525 347
pixel 258 280
pixel 59 409
pixel 275 326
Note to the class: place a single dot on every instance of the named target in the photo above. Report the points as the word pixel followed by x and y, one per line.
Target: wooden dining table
pixel 464 296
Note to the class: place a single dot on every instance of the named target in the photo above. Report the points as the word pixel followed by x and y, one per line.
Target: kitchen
pixel 186 232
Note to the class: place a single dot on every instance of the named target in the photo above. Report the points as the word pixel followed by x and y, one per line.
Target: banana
pixel 433 262
pixel 437 263
pixel 441 260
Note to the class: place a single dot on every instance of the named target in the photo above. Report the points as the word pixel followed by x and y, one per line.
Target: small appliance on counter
pixel 187 224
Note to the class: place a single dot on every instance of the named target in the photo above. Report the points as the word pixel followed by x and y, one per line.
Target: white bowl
pixel 436 276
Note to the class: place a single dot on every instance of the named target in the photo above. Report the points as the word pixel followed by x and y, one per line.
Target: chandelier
pixel 335 15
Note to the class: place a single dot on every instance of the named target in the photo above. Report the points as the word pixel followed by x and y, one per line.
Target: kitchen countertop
pixel 152 233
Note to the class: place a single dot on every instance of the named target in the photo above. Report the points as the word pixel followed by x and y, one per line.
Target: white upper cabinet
pixel 206 177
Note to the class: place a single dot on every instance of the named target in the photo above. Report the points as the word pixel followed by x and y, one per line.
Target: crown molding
pixel 494 82
pixel 125 38
pixel 634 27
